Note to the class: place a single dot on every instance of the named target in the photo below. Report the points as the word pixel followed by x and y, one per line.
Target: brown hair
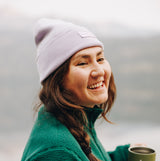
pixel 56 100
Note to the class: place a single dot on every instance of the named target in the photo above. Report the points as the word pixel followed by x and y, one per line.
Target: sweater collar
pixel 92 114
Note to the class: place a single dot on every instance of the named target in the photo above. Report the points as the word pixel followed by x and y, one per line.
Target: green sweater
pixel 50 140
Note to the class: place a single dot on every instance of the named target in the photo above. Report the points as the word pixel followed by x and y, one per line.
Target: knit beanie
pixel 58 40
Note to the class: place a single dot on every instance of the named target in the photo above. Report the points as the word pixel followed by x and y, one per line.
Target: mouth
pixel 96 85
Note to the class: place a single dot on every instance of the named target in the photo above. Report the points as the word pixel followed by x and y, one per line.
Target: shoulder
pixel 56 153
pixel 47 135
pixel 48 130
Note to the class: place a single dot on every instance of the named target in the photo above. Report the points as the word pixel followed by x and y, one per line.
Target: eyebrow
pixel 88 56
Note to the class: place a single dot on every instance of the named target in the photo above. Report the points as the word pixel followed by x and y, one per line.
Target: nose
pixel 97 70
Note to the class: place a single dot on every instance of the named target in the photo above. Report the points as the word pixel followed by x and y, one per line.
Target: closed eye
pixel 81 64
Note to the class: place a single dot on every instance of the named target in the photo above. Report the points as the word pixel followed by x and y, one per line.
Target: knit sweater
pixel 50 140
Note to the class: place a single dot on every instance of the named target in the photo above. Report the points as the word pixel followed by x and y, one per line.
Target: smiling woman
pixel 77 87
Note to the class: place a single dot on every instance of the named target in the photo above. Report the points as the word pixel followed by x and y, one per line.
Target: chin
pixel 99 102
pixel 102 100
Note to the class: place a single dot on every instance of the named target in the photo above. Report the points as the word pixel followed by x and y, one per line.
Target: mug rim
pixel 130 149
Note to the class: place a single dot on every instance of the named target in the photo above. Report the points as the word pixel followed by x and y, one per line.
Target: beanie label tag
pixel 85 34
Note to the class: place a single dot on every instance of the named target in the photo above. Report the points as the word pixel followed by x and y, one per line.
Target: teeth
pixel 96 85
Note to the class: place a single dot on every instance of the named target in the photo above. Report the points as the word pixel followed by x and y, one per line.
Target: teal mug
pixel 141 154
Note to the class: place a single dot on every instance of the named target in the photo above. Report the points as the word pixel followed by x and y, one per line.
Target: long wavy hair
pixel 57 100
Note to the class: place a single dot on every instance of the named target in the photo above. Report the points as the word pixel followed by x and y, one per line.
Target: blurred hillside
pixel 135 64
pixel 134 59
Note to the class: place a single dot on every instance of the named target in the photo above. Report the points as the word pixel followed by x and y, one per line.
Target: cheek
pixel 107 73
pixel 77 79
pixel 107 69
pixel 80 79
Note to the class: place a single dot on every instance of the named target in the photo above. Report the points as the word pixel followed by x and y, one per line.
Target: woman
pixel 77 87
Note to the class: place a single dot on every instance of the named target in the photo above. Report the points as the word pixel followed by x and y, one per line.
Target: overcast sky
pixel 137 13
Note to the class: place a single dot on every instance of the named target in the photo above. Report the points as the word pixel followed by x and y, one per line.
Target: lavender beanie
pixel 56 41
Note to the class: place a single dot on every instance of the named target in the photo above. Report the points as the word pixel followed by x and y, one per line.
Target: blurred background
pixel 130 31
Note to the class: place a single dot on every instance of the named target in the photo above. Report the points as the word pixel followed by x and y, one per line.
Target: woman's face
pixel 88 77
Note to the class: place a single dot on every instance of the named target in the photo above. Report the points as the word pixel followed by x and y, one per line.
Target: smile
pixel 94 86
